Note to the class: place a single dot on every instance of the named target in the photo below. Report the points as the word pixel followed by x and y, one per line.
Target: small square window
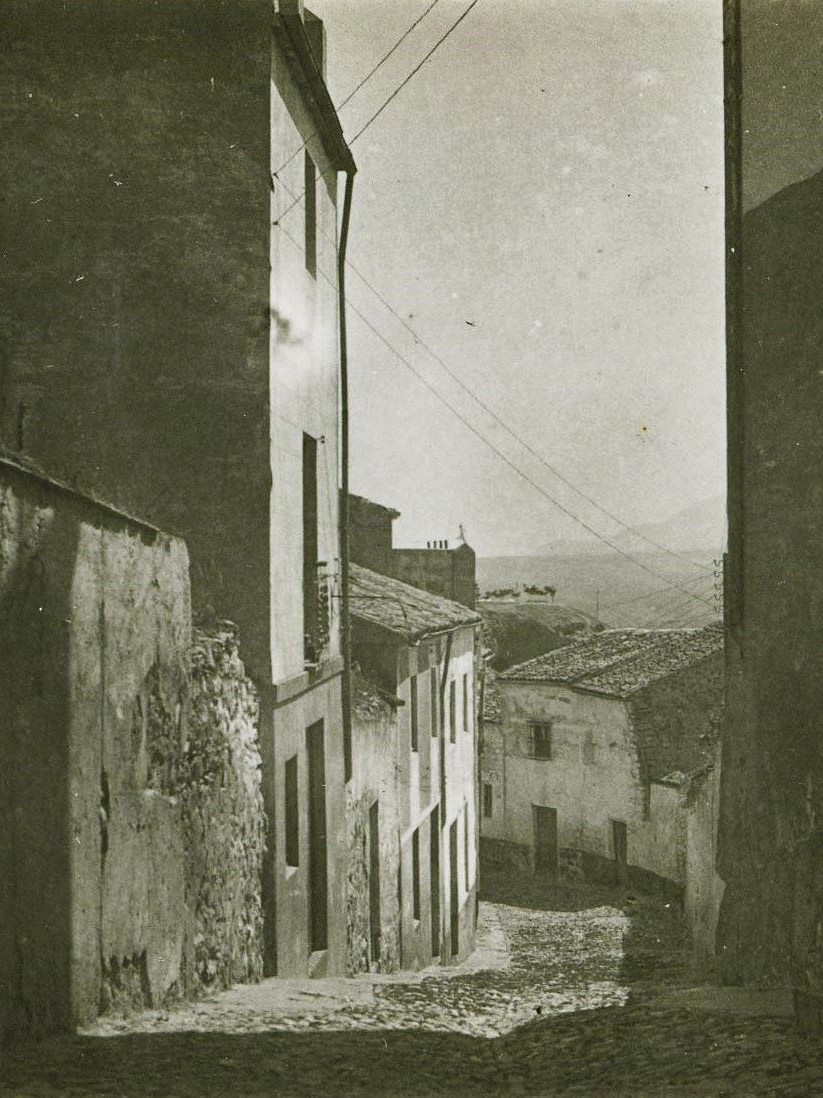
pixel 541 735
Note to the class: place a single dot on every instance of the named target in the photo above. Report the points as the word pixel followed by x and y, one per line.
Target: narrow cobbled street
pixel 574 990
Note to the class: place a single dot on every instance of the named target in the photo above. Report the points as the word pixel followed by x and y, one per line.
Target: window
pixel 311 605
pixel 292 828
pixel 465 703
pixel 589 754
pixel 646 794
pixel 433 700
pixel 416 873
pixel 310 203
pixel 453 711
pixel 541 735
pixel 488 801
pixel 413 713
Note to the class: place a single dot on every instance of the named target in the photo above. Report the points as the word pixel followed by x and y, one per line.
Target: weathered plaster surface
pixel 96 622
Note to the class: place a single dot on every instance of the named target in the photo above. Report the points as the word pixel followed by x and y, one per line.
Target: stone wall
pixel 131 823
pixel 93 704
pixel 446 572
pixel 223 821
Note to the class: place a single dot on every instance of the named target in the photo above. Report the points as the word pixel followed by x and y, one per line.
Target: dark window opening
pixel 488 801
pixel 465 703
pixel 413 713
pixel 466 846
pixel 292 828
pixel 541 741
pixel 453 711
pixel 433 700
pixel 310 202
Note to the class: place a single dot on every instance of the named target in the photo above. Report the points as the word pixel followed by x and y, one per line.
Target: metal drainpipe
pixel 343 507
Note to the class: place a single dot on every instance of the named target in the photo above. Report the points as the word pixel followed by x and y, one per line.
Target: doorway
pixel 544 824
pixel 620 846
pixel 374 881
pixel 318 859
pixel 434 871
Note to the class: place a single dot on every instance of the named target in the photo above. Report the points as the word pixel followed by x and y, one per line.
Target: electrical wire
pixel 392 97
pixel 495 416
pixel 365 80
pixel 503 457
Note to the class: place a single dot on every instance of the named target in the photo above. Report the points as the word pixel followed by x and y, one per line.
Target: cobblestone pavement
pixel 590 996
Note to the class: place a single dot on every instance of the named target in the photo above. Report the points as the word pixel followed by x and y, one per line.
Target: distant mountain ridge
pixel 698 528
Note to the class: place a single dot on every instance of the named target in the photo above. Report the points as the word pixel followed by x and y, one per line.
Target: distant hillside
pixel 699 528
pixel 520 628
pixel 664 592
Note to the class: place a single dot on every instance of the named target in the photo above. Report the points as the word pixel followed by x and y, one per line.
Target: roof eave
pixel 289 32
pixel 567 686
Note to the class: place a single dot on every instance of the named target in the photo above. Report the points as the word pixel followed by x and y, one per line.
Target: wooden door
pixel 434 871
pixel 454 910
pixel 318 855
pixel 544 822
pixel 374 881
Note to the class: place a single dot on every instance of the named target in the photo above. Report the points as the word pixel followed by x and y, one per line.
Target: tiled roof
pixel 619 662
pixel 408 611
pixel 491 696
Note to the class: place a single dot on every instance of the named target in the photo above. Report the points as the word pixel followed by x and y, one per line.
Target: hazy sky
pixel 553 176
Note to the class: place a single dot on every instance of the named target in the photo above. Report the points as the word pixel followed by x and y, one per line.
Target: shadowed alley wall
pixel 95 611
pixel 134 312
pixel 771 805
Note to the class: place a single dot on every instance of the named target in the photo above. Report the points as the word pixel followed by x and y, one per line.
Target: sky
pixel 543 205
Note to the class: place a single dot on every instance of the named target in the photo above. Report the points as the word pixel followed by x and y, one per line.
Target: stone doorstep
pixel 491 951
pixel 326 994
pixel 750 1001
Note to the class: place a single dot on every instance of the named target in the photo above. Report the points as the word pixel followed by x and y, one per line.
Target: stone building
pixel 444 571
pixel 771 790
pixel 173 182
pixel 413 796
pixel 587 752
